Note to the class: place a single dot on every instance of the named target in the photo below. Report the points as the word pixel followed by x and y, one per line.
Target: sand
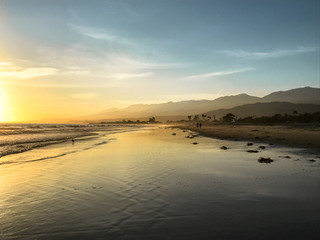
pixel 296 136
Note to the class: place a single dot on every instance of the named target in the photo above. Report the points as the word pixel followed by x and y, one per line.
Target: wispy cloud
pixel 270 54
pixel 122 76
pixel 107 35
pixel 127 61
pixel 215 74
pixel 5 64
pixel 96 33
pixel 27 73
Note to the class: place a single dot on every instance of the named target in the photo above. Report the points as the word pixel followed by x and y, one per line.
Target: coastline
pixel 286 135
pixel 19 138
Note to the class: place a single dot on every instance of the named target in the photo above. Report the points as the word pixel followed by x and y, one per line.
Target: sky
pixel 68 58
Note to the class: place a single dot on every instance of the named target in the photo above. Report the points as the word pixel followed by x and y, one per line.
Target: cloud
pixel 100 34
pixel 119 55
pixel 5 64
pixel 127 61
pixel 75 70
pixel 215 74
pixel 95 33
pixel 270 54
pixel 122 76
pixel 27 73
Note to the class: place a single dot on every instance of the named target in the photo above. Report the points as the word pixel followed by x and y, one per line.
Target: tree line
pixel 295 117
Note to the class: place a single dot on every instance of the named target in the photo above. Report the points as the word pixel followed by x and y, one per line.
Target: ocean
pixel 152 182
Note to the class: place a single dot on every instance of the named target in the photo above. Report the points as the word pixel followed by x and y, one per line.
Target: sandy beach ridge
pixel 287 135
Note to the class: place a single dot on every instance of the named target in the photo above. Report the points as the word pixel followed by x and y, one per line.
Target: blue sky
pixel 101 54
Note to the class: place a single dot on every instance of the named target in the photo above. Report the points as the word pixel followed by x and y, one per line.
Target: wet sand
pixel 156 184
pixel 296 136
pixel 18 138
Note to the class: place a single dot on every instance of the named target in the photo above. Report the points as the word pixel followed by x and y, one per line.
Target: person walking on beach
pixel 197 125
pixel 200 124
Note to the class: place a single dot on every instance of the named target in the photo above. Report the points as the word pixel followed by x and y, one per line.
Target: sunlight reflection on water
pixel 150 184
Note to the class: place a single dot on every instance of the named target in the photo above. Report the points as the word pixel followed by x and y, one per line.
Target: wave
pixel 20 148
pixel 19 138
pixel 50 157
pixel 26 148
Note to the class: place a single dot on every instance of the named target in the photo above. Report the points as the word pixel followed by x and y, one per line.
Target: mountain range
pixel 303 100
pixel 266 109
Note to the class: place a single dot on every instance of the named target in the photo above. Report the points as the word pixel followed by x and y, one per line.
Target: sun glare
pixel 2 105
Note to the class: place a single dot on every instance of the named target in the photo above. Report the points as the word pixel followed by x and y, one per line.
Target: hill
pixel 182 108
pixel 305 95
pixel 298 95
pixel 266 109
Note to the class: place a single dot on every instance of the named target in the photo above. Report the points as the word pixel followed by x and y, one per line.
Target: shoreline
pixel 286 135
pixel 26 139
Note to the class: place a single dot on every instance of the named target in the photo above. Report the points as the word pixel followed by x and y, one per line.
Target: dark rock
pixel 223 148
pixel 249 144
pixel 265 160
pixel 195 143
pixel 252 151
pixel 262 147
pixel 173 133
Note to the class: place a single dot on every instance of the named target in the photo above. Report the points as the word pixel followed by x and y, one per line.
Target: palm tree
pixel 229 118
pixel 152 120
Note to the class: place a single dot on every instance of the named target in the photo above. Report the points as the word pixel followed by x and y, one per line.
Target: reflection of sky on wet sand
pixel 152 184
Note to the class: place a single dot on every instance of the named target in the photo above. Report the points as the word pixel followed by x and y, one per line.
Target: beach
pixel 156 183
pixel 304 136
pixel 18 138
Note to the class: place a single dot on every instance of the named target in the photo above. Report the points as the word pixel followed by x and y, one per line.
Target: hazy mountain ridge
pixel 184 108
pixel 266 109
pixel 305 95
pixel 298 95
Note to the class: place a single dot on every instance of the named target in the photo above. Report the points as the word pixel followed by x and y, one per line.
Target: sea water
pixel 154 183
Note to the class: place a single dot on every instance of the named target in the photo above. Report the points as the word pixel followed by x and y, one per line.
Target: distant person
pixel 72 140
pixel 197 125
pixel 200 124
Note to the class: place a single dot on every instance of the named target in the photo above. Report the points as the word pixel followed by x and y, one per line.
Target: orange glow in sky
pixel 69 60
pixel 2 106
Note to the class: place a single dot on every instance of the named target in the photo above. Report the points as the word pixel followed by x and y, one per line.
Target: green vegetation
pixel 277 118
